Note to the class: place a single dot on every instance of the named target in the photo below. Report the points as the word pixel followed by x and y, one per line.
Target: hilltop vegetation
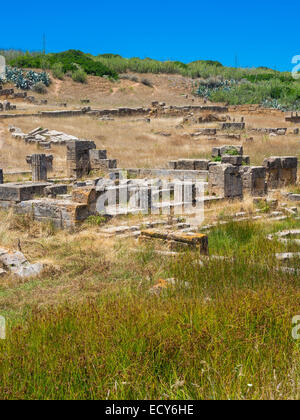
pixel 214 81
pixel 69 60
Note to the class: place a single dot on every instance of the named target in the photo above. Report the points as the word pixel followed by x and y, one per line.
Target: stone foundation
pixel 78 158
pixel 254 180
pixel 225 180
pixel 281 171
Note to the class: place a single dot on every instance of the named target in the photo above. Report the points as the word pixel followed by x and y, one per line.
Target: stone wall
pixel 225 180
pixel 78 158
pixel 254 180
pixel 281 171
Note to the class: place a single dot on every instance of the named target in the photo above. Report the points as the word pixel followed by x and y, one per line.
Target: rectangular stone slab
pixel 21 191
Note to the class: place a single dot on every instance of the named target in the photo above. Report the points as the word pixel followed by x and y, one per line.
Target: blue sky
pixel 257 33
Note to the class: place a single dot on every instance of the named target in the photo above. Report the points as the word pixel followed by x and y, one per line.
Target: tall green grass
pixel 224 335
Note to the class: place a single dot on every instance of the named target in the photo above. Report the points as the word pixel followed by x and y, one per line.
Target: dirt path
pixel 57 87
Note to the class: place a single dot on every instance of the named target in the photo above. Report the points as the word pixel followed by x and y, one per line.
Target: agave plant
pixel 26 80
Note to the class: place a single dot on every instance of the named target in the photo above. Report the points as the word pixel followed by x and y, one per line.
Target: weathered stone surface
pixel 232 159
pixel 173 164
pixel 281 170
pixel 294 197
pixel 233 126
pixel 230 149
pixel 54 190
pixel 201 164
pixel 21 191
pixel 84 195
pixel 62 213
pixel 18 264
pixel 254 180
pixel 39 166
pixel 78 158
pixel 225 180
pixel 96 155
pixel 186 164
pixel 178 239
pixel 104 164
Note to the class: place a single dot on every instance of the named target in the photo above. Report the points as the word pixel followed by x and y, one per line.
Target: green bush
pixel 79 76
pixel 69 61
pixel 57 71
pixel 40 88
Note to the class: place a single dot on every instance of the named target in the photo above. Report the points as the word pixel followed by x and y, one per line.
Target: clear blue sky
pixel 259 33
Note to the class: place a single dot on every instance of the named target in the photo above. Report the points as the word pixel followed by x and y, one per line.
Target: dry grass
pixel 136 144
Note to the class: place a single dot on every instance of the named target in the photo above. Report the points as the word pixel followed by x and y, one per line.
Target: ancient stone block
pixel 233 126
pixel 172 164
pixel 254 180
pixel 39 166
pixel 21 191
pixel 233 160
pixel 84 195
pixel 62 213
pixel 231 149
pixel 281 171
pixel 78 158
pixel 56 189
pixel 97 154
pixel 201 164
pixel 178 240
pixel 104 164
pixel 225 180
pixel 185 164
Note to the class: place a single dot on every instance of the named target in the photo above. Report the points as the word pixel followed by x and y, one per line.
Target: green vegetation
pixel 227 335
pixel 58 71
pixel 79 76
pixel 68 60
pixel 214 81
pixel 39 88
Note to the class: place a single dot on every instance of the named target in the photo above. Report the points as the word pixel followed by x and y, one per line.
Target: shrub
pixel 79 76
pixel 146 82
pixel 40 88
pixel 68 59
pixel 57 71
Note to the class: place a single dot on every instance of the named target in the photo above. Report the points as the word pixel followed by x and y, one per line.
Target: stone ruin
pixel 7 106
pixel 230 174
pixel 40 165
pixel 294 118
pixel 280 171
pixel 42 136
pixel 225 180
pixel 83 157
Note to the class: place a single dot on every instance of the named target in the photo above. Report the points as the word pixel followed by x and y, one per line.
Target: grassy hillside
pixel 69 60
pixel 212 80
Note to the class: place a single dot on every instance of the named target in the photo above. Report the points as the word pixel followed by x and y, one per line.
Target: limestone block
pixel 201 164
pixel 54 190
pixel 16 192
pixel 178 239
pixel 232 159
pixel 225 180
